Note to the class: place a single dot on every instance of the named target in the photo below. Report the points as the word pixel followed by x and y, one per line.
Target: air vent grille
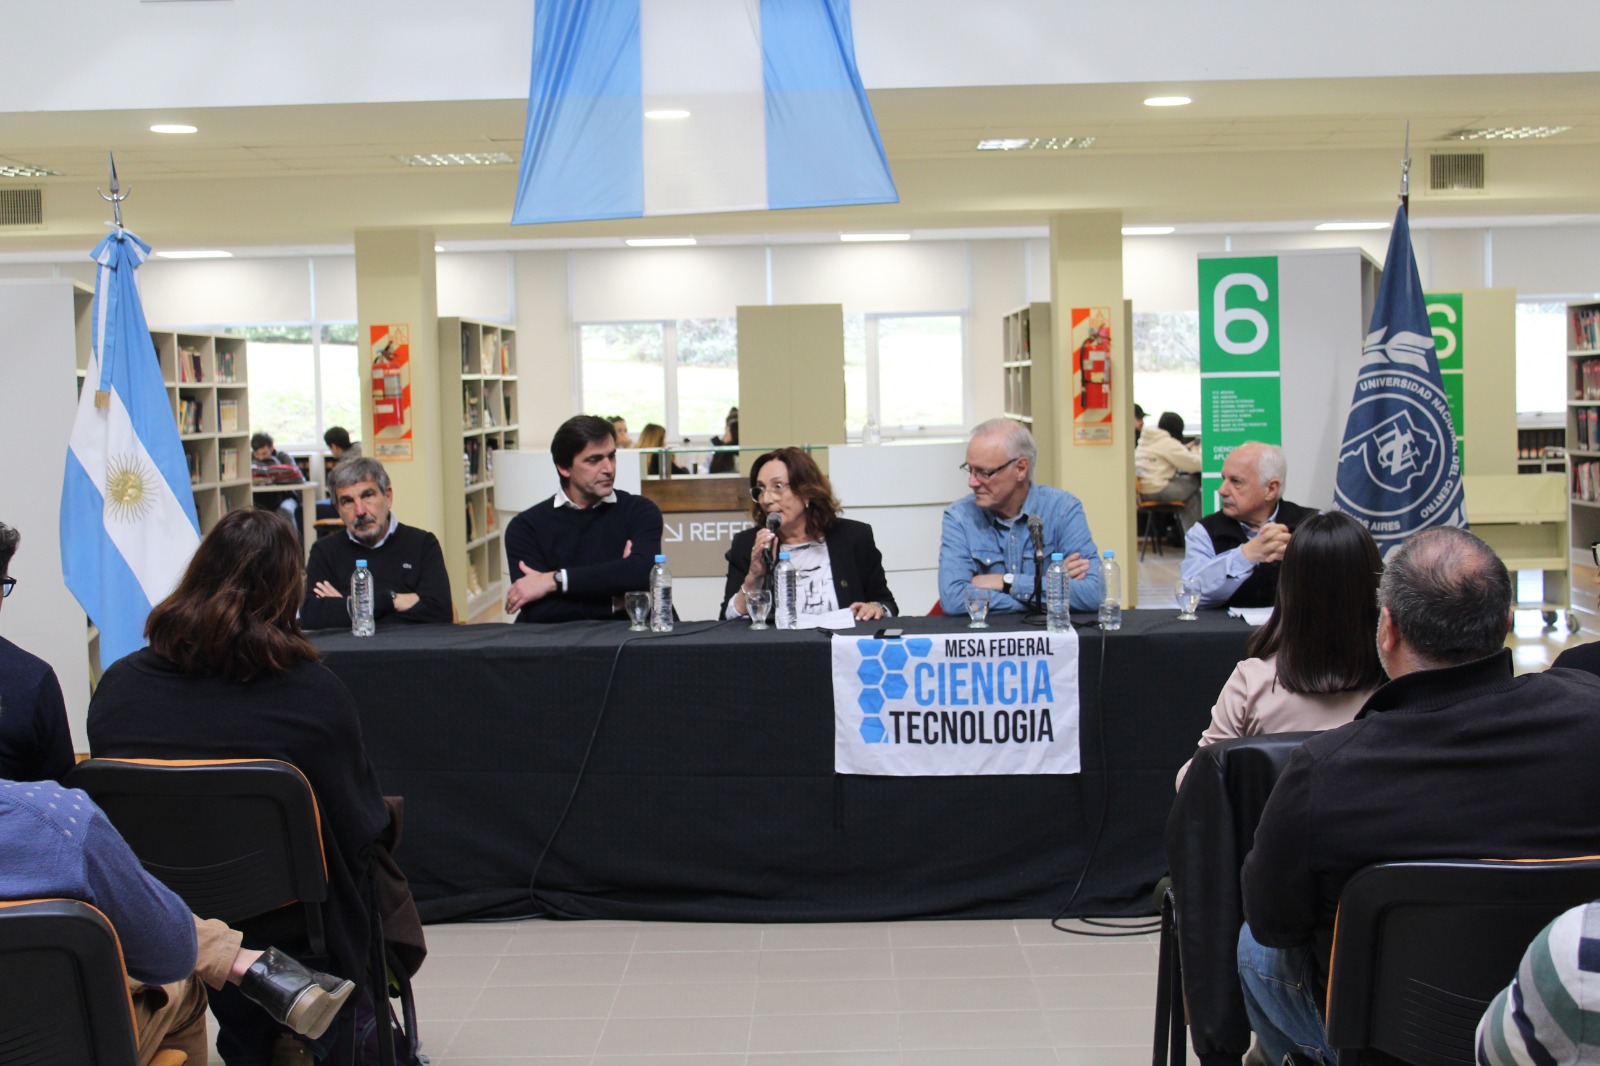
pixel 21 207
pixel 1456 172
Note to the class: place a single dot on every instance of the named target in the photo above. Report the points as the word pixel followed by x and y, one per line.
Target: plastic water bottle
pixel 1057 601
pixel 362 623
pixel 1111 601
pixel 660 596
pixel 785 593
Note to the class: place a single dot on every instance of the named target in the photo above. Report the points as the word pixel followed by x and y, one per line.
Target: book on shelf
pixel 489 353
pixel 472 533
pixel 225 366
pixel 189 412
pixel 509 420
pixel 505 355
pixel 466 349
pixel 488 515
pixel 193 459
pixel 229 458
pixel 189 366
pixel 1586 327
pixel 1586 481
pixel 228 416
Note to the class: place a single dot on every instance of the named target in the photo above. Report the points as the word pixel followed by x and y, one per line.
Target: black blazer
pixel 857 564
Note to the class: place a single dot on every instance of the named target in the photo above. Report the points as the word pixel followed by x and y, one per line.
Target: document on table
pixel 840 619
pixel 1256 616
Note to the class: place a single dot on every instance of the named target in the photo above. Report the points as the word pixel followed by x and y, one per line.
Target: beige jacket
pixel 1159 456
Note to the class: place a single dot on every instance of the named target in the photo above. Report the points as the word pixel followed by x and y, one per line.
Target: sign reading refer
pixel 956 705
pixel 1240 395
pixel 391 392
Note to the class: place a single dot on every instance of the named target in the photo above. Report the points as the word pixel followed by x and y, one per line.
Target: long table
pixel 690 776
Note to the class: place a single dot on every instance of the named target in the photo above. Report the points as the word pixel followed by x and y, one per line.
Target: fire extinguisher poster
pixel 391 392
pixel 1091 375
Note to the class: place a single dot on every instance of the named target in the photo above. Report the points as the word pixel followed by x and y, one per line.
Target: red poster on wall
pixel 391 392
pixel 1091 375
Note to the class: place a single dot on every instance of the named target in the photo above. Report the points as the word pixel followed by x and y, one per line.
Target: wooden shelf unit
pixel 207 381
pixel 478 389
pixel 1027 395
pixel 1583 451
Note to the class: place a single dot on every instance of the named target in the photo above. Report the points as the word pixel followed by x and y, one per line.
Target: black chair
pixel 1420 949
pixel 1211 829
pixel 66 992
pixel 1160 517
pixel 235 839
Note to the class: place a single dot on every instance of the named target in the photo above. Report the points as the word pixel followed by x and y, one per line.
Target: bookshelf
pixel 207 381
pixel 478 388
pixel 1542 445
pixel 1583 456
pixel 1026 393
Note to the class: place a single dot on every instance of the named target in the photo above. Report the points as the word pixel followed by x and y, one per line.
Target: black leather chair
pixel 1211 829
pixel 1420 949
pixel 65 1000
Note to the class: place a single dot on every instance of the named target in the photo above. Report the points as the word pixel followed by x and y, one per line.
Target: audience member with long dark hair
pixel 654 435
pixel 838 562
pixel 228 674
pixel 1315 662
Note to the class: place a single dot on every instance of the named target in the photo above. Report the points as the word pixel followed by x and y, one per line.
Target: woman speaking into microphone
pixel 836 560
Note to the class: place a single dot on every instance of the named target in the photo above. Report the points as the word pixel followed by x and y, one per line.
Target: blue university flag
pixel 1399 470
pixel 754 104
pixel 128 525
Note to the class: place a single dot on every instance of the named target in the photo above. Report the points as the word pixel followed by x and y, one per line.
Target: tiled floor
pixel 995 993
pixel 874 994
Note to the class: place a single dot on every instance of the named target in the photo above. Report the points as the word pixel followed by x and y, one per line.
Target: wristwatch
pixel 1008 579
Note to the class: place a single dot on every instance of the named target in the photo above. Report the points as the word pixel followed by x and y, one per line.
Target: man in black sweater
pixel 1236 553
pixel 409 580
pixel 1454 758
pixel 576 553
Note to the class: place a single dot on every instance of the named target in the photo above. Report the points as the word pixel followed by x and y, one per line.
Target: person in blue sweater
pixel 576 553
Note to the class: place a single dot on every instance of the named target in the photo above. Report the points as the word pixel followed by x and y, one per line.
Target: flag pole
pixel 1405 172
pixel 117 195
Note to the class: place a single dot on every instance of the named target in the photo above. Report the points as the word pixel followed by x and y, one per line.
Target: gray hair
pixel 1448 595
pixel 9 539
pixel 1014 435
pixel 355 471
pixel 1270 464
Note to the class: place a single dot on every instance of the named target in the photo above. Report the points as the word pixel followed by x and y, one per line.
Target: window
pixel 302 382
pixel 1541 357
pixel 1166 365
pixel 682 374
pixel 906 371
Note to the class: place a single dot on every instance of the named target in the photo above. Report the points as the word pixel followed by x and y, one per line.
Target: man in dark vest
pixel 1235 553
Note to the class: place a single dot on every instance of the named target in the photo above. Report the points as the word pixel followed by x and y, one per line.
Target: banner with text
pixel 948 706
pixel 1240 398
pixel 1448 322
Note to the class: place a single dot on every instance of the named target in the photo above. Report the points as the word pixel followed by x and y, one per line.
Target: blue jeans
pixel 1279 997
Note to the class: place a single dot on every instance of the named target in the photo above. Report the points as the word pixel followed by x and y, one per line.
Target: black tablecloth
pixel 709 792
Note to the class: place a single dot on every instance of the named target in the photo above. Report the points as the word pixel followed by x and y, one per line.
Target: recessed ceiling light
pixel 25 170
pixel 660 242
pixel 198 253
pixel 1017 144
pixel 666 114
pixel 438 248
pixel 1328 226
pixel 1167 101
pixel 1146 231
pixel 1505 133
pixel 455 159
pixel 1004 144
pixel 863 238
pixel 173 127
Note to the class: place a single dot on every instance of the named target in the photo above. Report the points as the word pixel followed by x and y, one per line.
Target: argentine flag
pixel 753 104
pixel 128 524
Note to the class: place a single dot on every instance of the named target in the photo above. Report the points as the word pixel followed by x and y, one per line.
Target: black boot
pixel 293 994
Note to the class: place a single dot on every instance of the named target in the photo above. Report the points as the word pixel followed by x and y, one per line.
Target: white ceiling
pixel 1248 154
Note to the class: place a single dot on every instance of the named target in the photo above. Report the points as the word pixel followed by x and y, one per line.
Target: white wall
pixel 312 51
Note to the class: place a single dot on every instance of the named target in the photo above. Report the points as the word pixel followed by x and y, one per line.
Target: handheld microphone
pixel 1036 534
pixel 774 520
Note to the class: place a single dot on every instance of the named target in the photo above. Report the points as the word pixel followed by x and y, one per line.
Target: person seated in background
pixel 1550 1013
pixel 726 462
pixel 409 580
pixel 836 560
pixel 1138 423
pixel 1314 663
pixel 1235 553
pixel 985 539
pixel 619 427
pixel 55 843
pixel 579 551
pixel 229 675
pixel 269 466
pixel 1168 469
pixel 337 438
pixel 1453 757
pixel 35 739
pixel 655 436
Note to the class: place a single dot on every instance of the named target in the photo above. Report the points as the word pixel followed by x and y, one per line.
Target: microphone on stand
pixel 774 520
pixel 1036 534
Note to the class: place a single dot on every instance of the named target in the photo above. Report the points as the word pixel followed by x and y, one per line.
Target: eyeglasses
pixel 7 584
pixel 777 488
pixel 983 474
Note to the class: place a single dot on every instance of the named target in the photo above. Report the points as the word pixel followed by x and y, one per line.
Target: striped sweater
pixel 1551 1011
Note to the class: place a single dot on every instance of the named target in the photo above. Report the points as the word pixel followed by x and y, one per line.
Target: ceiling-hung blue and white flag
pixel 128 524
pixel 754 104
pixel 1399 470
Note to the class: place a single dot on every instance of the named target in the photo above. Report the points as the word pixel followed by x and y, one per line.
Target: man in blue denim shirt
pixel 985 542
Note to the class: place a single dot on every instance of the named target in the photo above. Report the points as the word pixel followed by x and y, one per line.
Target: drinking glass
pixel 1187 591
pixel 759 602
pixel 977 608
pixel 638 605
